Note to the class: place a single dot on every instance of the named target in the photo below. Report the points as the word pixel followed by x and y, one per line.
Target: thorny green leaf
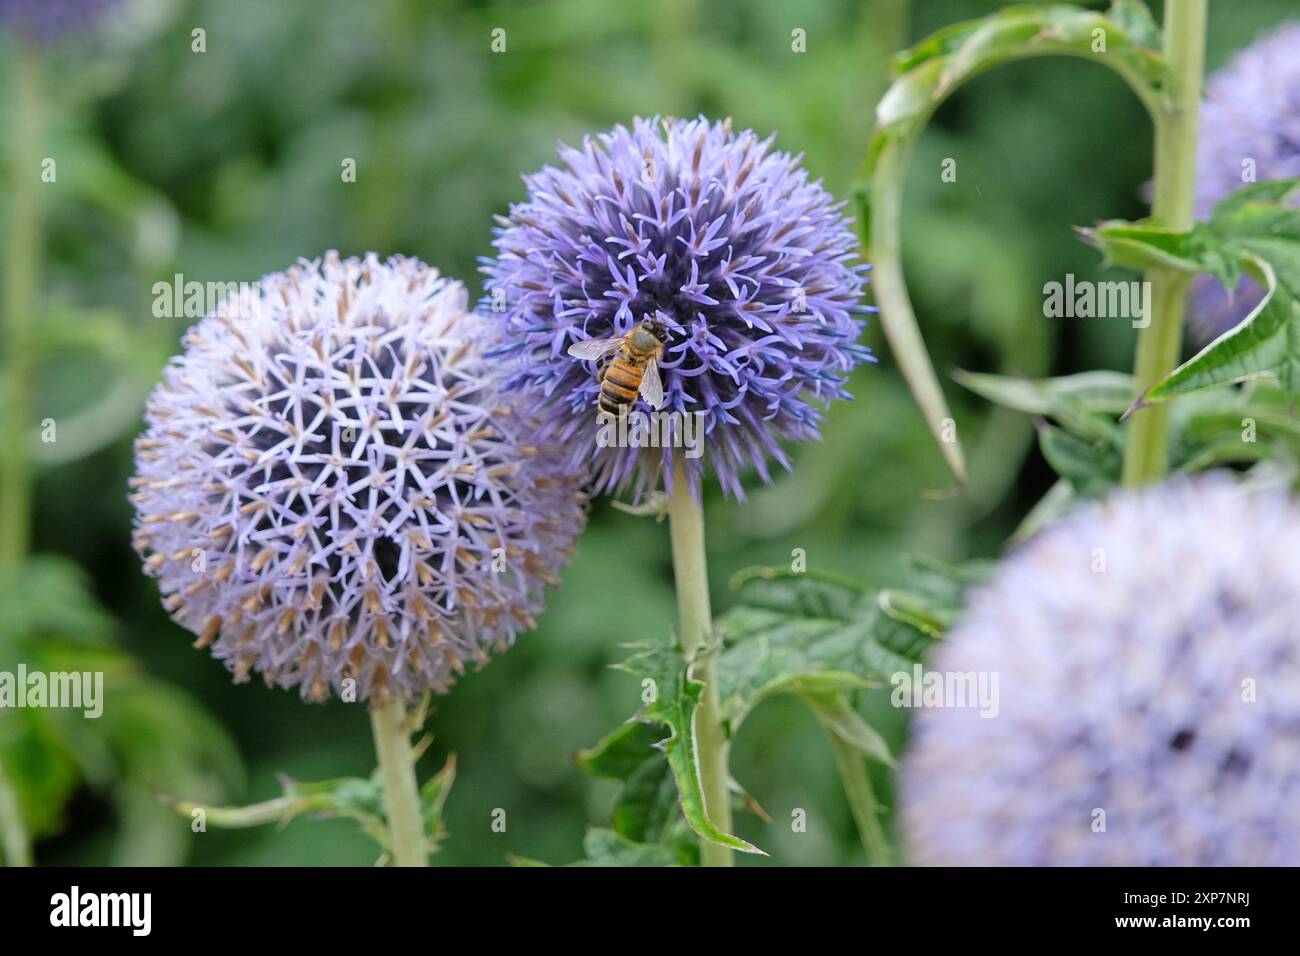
pixel 675 697
pixel 811 634
pixel 1255 230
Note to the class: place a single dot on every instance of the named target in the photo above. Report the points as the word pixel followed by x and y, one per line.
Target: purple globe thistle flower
pixel 1249 131
pixel 334 485
pixel 751 268
pixel 1148 661
pixel 48 20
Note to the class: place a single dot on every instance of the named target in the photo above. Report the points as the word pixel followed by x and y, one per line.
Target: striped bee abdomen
pixel 619 384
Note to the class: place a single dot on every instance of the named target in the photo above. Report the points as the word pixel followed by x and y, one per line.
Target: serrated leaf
pixel 810 634
pixel 803 594
pixel 1256 230
pixel 1143 246
pixel 913 610
pixel 647 805
pixel 607 848
pixel 1088 465
pixel 1267 342
pixel 835 714
pixel 1096 392
pixel 620 753
pixel 676 699
pixel 1221 452
pixel 1228 426
pixel 603 847
pixel 785 624
pixel 1270 192
pixel 801 633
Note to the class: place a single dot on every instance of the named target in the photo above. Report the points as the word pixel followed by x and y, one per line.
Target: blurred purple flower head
pixel 333 484
pixel 1148 661
pixel 49 20
pixel 751 267
pixel 1250 124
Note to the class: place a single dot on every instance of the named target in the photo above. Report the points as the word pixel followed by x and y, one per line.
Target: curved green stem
pixel 401 794
pixel 1146 452
pixel 935 69
pixel 862 801
pixel 691 575
pixel 897 317
pixel 22 263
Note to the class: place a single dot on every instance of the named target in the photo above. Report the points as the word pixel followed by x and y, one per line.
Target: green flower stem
pixel 890 292
pixel 401 795
pixel 1146 454
pixel 691 575
pixel 15 847
pixel 21 266
pixel 862 801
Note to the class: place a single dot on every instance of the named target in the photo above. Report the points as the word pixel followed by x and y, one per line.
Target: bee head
pixel 651 333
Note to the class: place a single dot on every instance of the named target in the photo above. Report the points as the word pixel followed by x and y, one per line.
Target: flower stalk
pixel 1146 454
pixel 22 264
pixel 691 576
pixel 401 793
pixel 862 801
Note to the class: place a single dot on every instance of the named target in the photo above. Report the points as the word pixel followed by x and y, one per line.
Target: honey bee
pixel 635 369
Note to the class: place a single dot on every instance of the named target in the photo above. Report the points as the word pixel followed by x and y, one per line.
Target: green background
pixel 225 165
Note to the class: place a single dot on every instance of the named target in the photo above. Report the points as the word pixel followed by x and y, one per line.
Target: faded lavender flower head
pixel 751 267
pixel 1148 661
pixel 332 484
pixel 1250 122
pixel 48 20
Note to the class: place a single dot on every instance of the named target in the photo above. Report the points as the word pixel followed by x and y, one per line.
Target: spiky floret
pixel 751 267
pixel 1148 661
pixel 1249 131
pixel 334 485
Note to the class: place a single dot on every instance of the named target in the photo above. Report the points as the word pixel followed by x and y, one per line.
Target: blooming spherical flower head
pixel 48 20
pixel 1147 708
pixel 334 486
pixel 1249 132
pixel 718 239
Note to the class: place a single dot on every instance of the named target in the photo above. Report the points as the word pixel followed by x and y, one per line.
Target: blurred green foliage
pixel 225 165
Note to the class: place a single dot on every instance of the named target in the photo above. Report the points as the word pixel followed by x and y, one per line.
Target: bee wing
pixel 594 348
pixel 652 389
